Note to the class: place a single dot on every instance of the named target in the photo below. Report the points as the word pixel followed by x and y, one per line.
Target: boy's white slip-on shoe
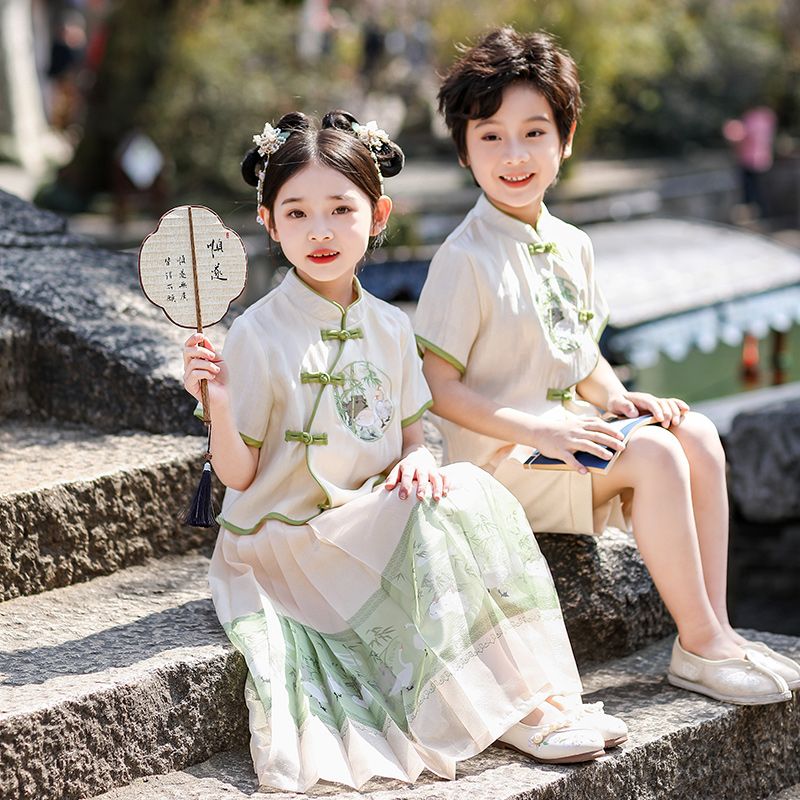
pixel 556 743
pixel 732 680
pixel 776 662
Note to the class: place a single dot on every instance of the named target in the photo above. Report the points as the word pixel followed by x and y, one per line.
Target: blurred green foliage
pixel 201 76
pixel 231 66
pixel 657 77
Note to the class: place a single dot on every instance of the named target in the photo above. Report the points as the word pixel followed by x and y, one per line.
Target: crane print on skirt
pixel 446 610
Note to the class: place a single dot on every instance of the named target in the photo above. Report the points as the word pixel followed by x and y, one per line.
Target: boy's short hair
pixel 473 86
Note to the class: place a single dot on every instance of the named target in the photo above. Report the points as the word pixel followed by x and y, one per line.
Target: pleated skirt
pixel 390 636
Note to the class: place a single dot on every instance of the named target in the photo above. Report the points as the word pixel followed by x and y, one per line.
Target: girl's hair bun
pixel 294 122
pixel 342 120
pixel 391 159
pixel 253 163
pixel 389 155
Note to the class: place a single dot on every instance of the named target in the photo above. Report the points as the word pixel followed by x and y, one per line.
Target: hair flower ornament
pixel 374 138
pixel 270 139
pixel 371 134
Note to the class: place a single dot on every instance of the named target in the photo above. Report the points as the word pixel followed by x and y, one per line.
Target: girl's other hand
pixel 420 466
pixel 200 362
pixel 562 438
pixel 666 410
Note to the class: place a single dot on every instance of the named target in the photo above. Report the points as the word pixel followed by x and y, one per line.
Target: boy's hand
pixel 588 434
pixel 668 411
pixel 420 466
pixel 200 362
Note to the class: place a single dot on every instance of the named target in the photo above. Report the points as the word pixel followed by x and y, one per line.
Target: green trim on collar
pixel 426 345
pixel 342 311
pixel 404 423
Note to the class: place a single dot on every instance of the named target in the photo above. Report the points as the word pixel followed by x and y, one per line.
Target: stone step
pixel 682 746
pixel 126 675
pixel 76 503
pixel 15 343
pixel 791 793
pixel 123 676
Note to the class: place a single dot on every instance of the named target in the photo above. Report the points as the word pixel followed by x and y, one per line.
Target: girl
pixel 513 273
pixel 394 616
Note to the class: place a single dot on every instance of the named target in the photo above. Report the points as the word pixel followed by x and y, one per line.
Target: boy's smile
pixel 516 153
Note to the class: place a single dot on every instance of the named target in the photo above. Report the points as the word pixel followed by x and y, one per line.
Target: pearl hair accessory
pixel 374 138
pixel 269 141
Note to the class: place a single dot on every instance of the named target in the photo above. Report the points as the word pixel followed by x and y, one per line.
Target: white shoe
pixel 554 743
pixel 591 715
pixel 731 680
pixel 781 665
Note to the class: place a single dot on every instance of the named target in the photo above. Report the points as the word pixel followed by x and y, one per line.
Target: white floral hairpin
pixel 371 134
pixel 269 141
pixel 374 138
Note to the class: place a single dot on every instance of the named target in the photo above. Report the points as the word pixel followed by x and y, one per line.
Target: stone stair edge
pixel 675 737
pixel 175 447
pixel 194 665
pixel 219 667
pixel 74 531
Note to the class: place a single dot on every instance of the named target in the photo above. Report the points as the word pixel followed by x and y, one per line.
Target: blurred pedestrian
pixel 752 137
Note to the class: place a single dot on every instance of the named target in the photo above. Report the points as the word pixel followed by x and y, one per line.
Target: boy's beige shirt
pixel 516 309
pixel 349 378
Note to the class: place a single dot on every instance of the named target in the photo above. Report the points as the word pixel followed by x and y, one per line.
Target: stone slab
pixel 123 676
pixel 763 449
pixel 15 342
pixel 792 793
pixel 100 353
pixel 611 606
pixel 682 746
pixel 84 671
pixel 76 503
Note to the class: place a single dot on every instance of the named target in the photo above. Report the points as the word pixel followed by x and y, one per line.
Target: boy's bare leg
pixel 700 441
pixel 655 467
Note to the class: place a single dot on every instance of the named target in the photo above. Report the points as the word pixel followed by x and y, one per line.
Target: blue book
pixel 625 425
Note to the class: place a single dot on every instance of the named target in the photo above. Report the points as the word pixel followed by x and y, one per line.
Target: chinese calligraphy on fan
pixel 176 276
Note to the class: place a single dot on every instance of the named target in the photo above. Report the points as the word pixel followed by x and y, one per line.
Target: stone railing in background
pixel 763 449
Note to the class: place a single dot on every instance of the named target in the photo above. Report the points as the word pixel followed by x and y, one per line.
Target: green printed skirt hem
pixel 386 637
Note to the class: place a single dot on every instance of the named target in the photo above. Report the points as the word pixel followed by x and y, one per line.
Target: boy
pixel 508 323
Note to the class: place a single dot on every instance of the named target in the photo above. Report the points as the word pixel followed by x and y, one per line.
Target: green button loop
pixel 584 315
pixel 342 334
pixel 321 377
pixel 565 395
pixel 540 248
pixel 305 437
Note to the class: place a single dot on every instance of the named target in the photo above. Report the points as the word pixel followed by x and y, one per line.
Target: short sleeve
pixel 448 315
pixel 248 382
pixel 597 304
pixel 415 395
